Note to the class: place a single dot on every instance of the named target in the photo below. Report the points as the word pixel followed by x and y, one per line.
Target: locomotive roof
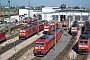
pixel 29 27
pixel 57 29
pixel 74 25
pixel 43 20
pixel 47 37
pixel 84 36
pixel 87 23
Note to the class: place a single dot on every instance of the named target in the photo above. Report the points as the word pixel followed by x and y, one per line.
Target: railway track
pixel 37 58
pixel 16 27
pixel 11 45
pixel 64 53
pixel 82 57
pixel 21 52
pixel 13 28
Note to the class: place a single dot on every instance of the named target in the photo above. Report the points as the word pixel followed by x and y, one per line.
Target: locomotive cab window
pixel 22 30
pixel 83 42
pixel 39 43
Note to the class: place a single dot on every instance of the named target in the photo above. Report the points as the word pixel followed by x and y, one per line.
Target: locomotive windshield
pixel 83 42
pixel 22 30
pixel 39 43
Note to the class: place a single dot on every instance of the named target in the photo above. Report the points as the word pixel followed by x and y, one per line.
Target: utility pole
pixel 29 10
pixel 55 33
pixel 81 21
pixel 9 15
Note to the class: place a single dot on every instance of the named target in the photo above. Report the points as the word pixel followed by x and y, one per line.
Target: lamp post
pixel 55 33
pixel 9 14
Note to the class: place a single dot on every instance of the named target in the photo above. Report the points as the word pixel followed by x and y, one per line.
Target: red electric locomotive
pixel 2 35
pixel 32 23
pixel 86 27
pixel 40 26
pixel 27 31
pixel 58 32
pixel 47 28
pixel 43 44
pixel 74 28
pixel 84 44
pixel 44 22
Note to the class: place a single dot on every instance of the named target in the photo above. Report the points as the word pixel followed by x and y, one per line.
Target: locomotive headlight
pixel 85 46
pixel 42 47
pixel 36 47
pixel 80 45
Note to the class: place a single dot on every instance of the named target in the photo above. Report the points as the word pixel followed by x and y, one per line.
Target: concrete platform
pixel 10 52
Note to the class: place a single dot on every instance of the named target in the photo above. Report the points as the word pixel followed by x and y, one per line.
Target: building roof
pixel 37 10
pixel 74 10
pixel 51 8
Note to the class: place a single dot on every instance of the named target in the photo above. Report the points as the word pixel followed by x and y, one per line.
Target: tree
pixel 22 7
pixel 76 7
pixel 12 7
pixel 39 7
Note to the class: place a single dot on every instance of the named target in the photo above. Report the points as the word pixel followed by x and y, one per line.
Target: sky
pixel 70 3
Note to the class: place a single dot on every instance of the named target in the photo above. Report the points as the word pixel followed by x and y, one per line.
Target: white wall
pixel 47 16
pixel 15 17
pixel 47 9
pixel 25 11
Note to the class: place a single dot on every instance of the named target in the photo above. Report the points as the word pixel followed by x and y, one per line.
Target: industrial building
pixel 56 13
